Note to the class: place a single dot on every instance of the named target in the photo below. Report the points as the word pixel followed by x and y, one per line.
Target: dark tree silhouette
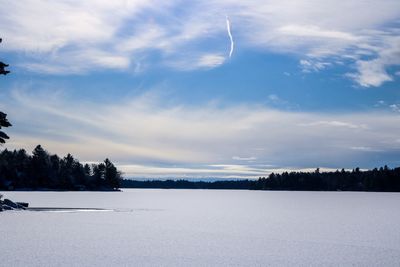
pixel 111 175
pixel 3 123
pixel 41 170
pixel 3 66
pixel 384 179
pixel 3 117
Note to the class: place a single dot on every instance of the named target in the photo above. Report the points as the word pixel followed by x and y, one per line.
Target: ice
pixel 203 228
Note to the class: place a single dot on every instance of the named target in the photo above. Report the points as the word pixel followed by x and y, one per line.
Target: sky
pixel 205 89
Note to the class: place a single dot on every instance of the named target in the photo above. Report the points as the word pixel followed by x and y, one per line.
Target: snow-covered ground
pixel 203 228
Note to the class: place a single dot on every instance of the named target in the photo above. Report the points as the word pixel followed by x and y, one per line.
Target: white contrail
pixel 228 27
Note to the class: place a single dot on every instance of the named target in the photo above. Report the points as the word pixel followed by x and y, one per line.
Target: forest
pixel 185 184
pixel 43 171
pixel 383 179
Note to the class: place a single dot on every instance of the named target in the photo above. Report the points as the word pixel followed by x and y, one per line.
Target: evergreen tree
pixel 3 123
pixel 40 166
pixel 99 174
pixel 112 176
pixel 3 117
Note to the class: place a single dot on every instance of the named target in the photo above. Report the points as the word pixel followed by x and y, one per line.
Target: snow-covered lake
pixel 203 228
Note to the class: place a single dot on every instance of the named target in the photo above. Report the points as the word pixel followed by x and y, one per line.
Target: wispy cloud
pixel 335 124
pixel 313 31
pixel 244 158
pixel 148 131
pixel 313 65
pixel 395 107
pixel 73 36
pixel 228 28
pixel 364 148
pixel 210 60
pixel 373 72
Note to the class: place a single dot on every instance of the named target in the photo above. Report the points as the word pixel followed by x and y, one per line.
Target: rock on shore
pixel 7 204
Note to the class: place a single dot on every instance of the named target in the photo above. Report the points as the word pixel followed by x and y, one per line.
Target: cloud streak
pixel 228 28
pixel 72 36
pixel 152 133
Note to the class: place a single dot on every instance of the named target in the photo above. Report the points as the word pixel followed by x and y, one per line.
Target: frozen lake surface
pixel 203 228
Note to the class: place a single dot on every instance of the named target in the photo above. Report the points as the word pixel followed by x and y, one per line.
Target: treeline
pixel 43 171
pixel 383 179
pixel 185 184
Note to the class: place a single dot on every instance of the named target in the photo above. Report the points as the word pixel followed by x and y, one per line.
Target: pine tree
pixel 112 176
pixel 3 117
pixel 3 123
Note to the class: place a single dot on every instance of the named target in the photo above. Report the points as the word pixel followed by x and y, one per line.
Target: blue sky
pixel 154 88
